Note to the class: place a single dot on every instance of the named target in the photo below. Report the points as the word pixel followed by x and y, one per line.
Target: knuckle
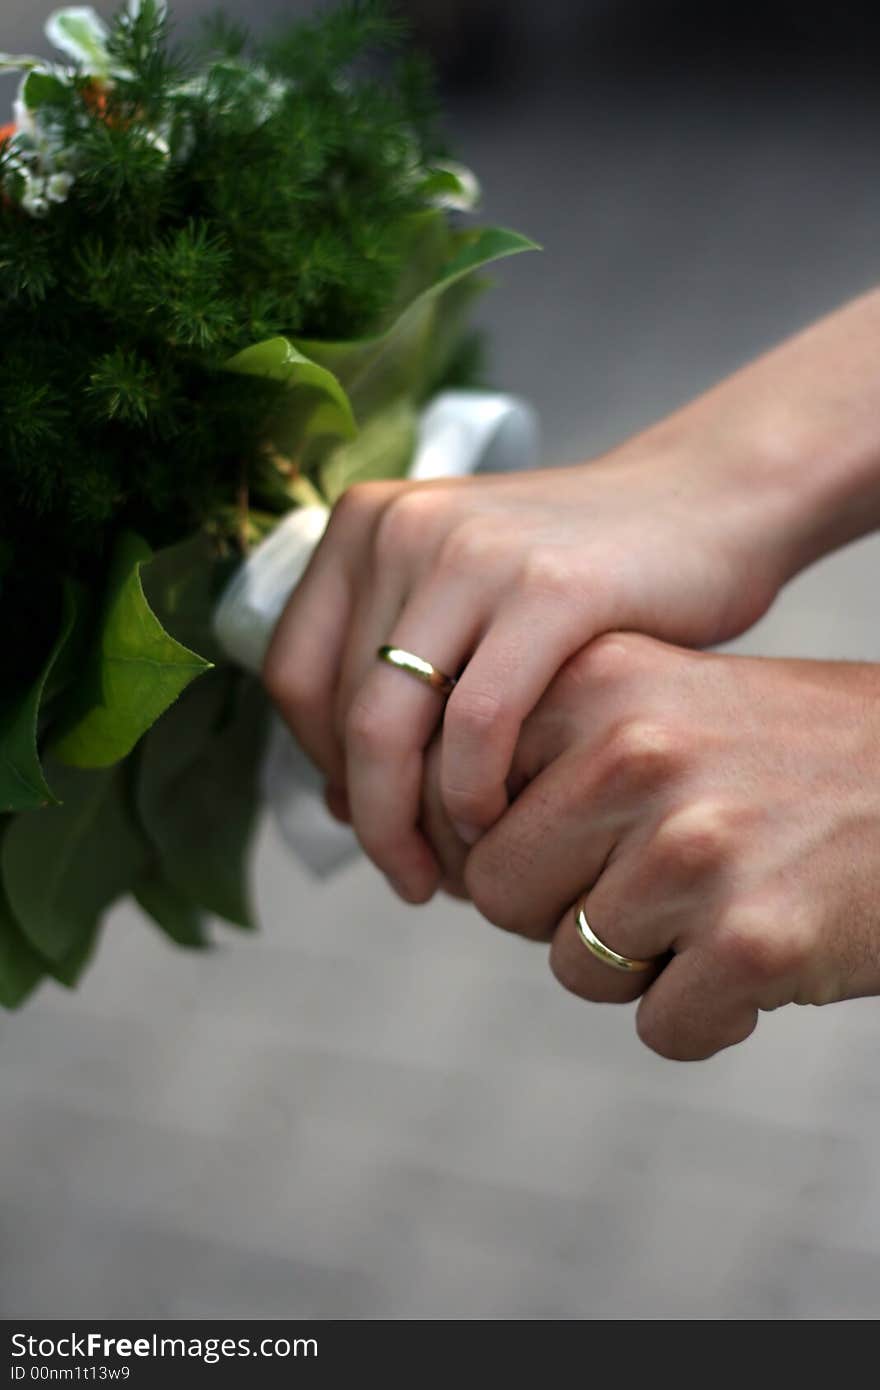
pixel 603 663
pixel 367 731
pixel 405 522
pixel 643 751
pixel 470 545
pixel 546 574
pixel 359 504
pixel 474 712
pixel 756 943
pixel 698 837
pixel 610 658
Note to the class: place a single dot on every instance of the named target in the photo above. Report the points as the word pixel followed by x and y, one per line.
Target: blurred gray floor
pixel 370 1111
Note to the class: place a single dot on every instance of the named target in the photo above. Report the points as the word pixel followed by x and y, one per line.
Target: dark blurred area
pixel 480 41
pixel 484 44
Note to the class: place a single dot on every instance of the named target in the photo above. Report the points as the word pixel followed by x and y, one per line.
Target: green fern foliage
pixel 226 272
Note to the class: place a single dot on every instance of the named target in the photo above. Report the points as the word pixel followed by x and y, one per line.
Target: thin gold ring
pixel 414 666
pixel 604 953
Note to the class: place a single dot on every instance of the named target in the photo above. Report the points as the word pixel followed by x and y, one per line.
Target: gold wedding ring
pixel 416 667
pixel 604 953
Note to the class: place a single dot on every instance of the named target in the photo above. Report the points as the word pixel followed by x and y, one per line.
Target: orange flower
pixel 95 98
pixel 7 132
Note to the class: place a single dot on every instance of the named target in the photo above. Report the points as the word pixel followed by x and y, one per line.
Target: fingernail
pixel 469 834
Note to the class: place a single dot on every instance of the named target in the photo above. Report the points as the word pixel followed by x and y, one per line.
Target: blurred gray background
pixel 372 1111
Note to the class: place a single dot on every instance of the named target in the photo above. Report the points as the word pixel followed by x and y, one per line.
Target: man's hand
pixel 719 814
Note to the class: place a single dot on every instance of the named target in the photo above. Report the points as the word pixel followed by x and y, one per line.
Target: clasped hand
pixel 718 815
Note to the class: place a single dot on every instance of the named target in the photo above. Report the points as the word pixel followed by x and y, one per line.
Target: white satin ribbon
pixel 461 432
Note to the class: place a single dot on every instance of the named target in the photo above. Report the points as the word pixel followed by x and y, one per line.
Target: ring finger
pixel 390 721
pixel 632 928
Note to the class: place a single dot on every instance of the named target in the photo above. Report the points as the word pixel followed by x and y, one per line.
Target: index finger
pixel 303 663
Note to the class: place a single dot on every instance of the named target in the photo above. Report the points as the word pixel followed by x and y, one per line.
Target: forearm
pixel 791 442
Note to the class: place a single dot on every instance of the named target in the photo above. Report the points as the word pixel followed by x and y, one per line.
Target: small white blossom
pixel 157 142
pixel 34 199
pixel 58 187
pixel 466 196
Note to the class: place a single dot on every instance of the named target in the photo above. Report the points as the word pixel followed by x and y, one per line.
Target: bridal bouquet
pixel 231 281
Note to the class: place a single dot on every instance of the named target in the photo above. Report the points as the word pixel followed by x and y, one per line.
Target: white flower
pixel 465 196
pixel 34 199
pixel 157 142
pixel 58 187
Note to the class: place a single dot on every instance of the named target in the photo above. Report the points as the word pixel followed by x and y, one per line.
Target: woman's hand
pixel 503 579
pixel 718 814
pixel 686 533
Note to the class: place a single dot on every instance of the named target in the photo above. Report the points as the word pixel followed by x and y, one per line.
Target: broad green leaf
pixel 376 371
pixel 426 247
pixel 452 325
pixel 383 449
pixel 23 786
pixel 81 33
pixel 133 671
pixel 182 585
pixel 66 669
pixel 171 910
pixel 479 247
pixel 69 969
pixel 21 968
pixel 198 791
pixel 64 866
pixel 42 89
pixel 320 407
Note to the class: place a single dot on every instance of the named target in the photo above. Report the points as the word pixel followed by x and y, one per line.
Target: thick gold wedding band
pixel 414 666
pixel 604 953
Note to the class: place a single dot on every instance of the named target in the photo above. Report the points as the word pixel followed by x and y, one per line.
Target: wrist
pixel 744 485
pixel 810 478
pixel 790 445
